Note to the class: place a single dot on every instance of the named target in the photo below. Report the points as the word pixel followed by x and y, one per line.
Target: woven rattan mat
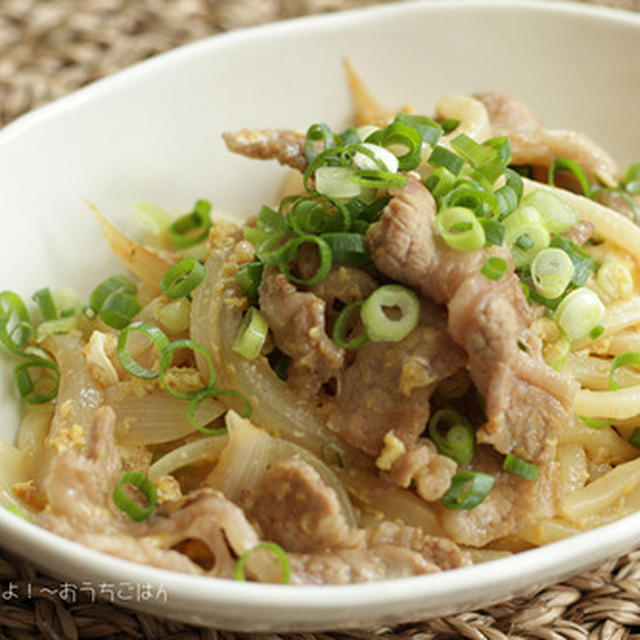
pixel 49 48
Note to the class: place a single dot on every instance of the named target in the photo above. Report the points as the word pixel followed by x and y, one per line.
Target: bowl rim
pixel 200 590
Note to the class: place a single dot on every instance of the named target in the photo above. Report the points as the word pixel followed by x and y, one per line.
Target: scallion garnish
pixel 443 157
pixel 347 248
pixel 430 131
pixel 114 301
pixel 289 252
pixel 631 180
pixel 44 300
pixel 182 278
pixel 579 312
pixel 328 445
pixel 596 332
pixel 251 335
pixel 401 135
pixel 467 490
pixel 136 511
pixel 319 132
pixel 45 386
pixel 628 358
pixel 527 470
pixel 15 323
pixel 583 263
pixel 249 276
pixel 525 234
pixel 156 335
pixel 494 268
pixel 596 423
pixel 192 228
pixel 276 550
pixel 556 214
pixel 166 359
pixel 379 326
pixel 551 272
pixel 634 438
pixel 460 229
pixel 458 442
pixel 567 164
pixel 343 325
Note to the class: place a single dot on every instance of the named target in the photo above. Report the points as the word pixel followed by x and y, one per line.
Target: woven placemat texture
pixel 51 47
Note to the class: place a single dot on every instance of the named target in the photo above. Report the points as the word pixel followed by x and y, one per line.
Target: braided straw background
pixel 51 47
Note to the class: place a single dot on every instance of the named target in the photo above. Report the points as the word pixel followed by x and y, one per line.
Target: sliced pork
pixel 297 322
pixel 527 402
pixel 284 145
pixel 388 385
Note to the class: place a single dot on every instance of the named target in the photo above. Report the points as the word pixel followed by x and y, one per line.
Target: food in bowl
pixel 411 362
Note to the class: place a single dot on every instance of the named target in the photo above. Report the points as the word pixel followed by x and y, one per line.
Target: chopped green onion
pixel 502 148
pixel 115 302
pixel 343 324
pixel 514 181
pixel 336 182
pixel 249 277
pixel 494 231
pixel 443 157
pixel 367 212
pixel 507 200
pixel 175 316
pixel 430 131
pixel 57 326
pixel 270 220
pixel 556 214
pixel 628 358
pixel 193 227
pixel 13 310
pixel 522 468
pixel 460 229
pixel 44 299
pixel 45 387
pixel 579 312
pixel 631 180
pixel 583 263
pixel 274 548
pixel 17 511
pixel 373 157
pixel 467 490
pixel 634 438
pixel 310 215
pixel 494 268
pixel 182 278
pixel 154 218
pixel 290 251
pixel 131 507
pixel 378 325
pixel 379 179
pixel 154 334
pixel 246 413
pixel 347 248
pixel 268 251
pixel 567 164
pixel 596 332
pixel 317 133
pixel 551 272
pixel 525 234
pixel 458 442
pixel 440 181
pixel 449 125
pixel 191 414
pixel 336 451
pixel 281 366
pixel 596 423
pixel 465 195
pixel 166 359
pixel 252 334
pixel 475 153
pixel 400 134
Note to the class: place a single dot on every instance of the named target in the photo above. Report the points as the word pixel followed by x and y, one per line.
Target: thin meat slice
pixel 487 318
pixel 293 507
pixel 297 321
pixel 388 385
pixel 513 503
pixel 532 144
pixel 284 145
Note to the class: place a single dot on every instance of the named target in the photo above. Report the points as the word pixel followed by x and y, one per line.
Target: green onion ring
pixel 182 278
pixel 341 326
pixel 12 304
pixel 251 335
pixel 133 509
pixel 290 251
pixel 567 164
pixel 628 358
pixel 27 386
pixel 166 358
pixel 274 548
pixel 521 468
pixel 459 441
pixel 378 325
pixel 467 490
pixel 157 336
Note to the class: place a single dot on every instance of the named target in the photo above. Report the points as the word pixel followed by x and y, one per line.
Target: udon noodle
pixel 425 354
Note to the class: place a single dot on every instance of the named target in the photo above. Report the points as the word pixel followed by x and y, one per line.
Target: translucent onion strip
pixel 146 262
pixel 192 453
pixel 14 467
pixel 32 433
pixel 157 416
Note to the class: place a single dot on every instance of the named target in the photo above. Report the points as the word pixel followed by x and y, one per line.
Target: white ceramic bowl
pixel 153 132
